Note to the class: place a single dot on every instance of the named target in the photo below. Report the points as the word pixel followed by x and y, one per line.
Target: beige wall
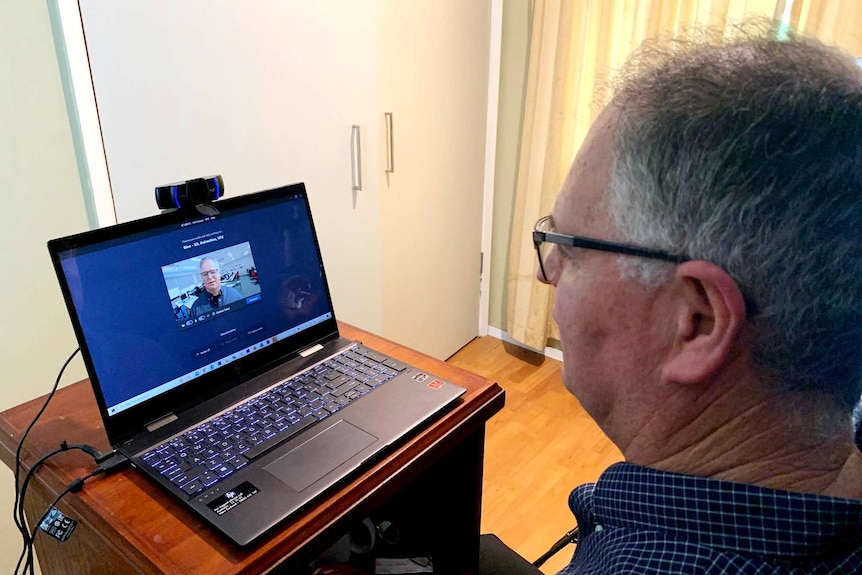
pixel 41 199
pixel 513 70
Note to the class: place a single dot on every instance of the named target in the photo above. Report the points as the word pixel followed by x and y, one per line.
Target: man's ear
pixel 710 317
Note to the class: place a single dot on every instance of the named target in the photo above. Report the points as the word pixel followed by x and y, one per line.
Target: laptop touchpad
pixel 313 459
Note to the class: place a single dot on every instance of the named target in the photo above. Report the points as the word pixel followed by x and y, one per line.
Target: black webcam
pixel 190 194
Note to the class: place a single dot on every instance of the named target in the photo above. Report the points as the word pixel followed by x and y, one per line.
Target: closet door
pixel 433 67
pixel 264 93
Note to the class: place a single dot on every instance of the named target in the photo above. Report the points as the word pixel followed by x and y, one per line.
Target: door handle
pixel 390 147
pixel 355 159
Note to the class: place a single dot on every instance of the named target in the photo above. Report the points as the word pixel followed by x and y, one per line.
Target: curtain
pixel 574 45
pixel 834 21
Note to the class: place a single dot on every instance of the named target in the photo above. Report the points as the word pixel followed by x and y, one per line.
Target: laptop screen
pixel 162 303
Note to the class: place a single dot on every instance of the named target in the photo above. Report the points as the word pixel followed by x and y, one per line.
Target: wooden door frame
pixel 83 112
pixel 494 56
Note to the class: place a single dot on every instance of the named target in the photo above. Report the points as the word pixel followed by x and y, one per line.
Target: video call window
pixel 209 285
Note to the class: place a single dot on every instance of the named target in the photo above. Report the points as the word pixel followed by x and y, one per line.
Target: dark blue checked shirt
pixel 638 520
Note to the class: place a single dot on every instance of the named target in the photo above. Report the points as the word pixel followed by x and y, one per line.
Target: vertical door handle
pixel 355 159
pixel 390 149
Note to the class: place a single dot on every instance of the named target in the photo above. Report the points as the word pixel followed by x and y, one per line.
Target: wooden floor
pixel 537 449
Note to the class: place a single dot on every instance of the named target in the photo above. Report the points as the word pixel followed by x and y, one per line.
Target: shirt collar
pixel 732 516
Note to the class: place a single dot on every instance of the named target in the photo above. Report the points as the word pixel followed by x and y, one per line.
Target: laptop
pixel 215 358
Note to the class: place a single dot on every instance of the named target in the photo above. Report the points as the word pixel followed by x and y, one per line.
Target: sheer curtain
pixel 574 44
pixel 834 21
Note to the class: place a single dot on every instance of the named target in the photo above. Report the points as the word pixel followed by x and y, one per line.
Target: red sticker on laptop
pixel 436 384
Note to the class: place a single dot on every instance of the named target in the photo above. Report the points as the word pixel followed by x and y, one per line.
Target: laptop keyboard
pixel 203 456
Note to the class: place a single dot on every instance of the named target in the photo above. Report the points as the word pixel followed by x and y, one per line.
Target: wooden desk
pixel 129 525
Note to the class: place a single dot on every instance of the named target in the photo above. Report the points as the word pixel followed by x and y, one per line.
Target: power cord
pixel 27 554
pixel 32 423
pixel 107 462
pixel 110 462
pixel 22 490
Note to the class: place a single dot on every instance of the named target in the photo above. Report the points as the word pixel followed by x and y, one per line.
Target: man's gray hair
pixel 748 154
pixel 214 261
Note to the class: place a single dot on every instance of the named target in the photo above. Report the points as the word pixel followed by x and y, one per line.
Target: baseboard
pixel 551 352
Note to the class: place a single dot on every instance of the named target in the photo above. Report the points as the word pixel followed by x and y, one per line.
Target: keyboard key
pixel 237 462
pixel 345 388
pixel 338 381
pixel 280 437
pixel 375 356
pixel 192 487
pixel 223 471
pixel 212 451
pixel 394 364
pixel 320 414
pixel 194 472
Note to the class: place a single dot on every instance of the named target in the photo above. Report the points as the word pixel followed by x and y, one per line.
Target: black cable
pixel 32 423
pixel 17 469
pixel 110 462
pixel 21 492
pixel 75 485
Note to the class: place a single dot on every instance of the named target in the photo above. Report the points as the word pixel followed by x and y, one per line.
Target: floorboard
pixel 538 448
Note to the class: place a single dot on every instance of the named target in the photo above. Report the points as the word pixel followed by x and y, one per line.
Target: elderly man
pixel 706 250
pixel 214 295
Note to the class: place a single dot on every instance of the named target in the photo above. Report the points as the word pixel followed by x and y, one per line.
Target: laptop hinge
pixel 310 350
pixel 161 422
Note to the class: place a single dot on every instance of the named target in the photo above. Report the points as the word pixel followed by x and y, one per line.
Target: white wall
pixel 263 93
pixel 41 199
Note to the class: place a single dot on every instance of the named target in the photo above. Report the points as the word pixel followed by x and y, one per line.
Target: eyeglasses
pixel 210 273
pixel 544 237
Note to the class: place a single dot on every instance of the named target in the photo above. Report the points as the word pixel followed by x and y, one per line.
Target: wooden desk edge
pixel 483 399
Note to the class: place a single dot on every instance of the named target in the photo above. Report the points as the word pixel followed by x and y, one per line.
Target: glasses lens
pixel 543 248
pixel 544 225
pixel 209 273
